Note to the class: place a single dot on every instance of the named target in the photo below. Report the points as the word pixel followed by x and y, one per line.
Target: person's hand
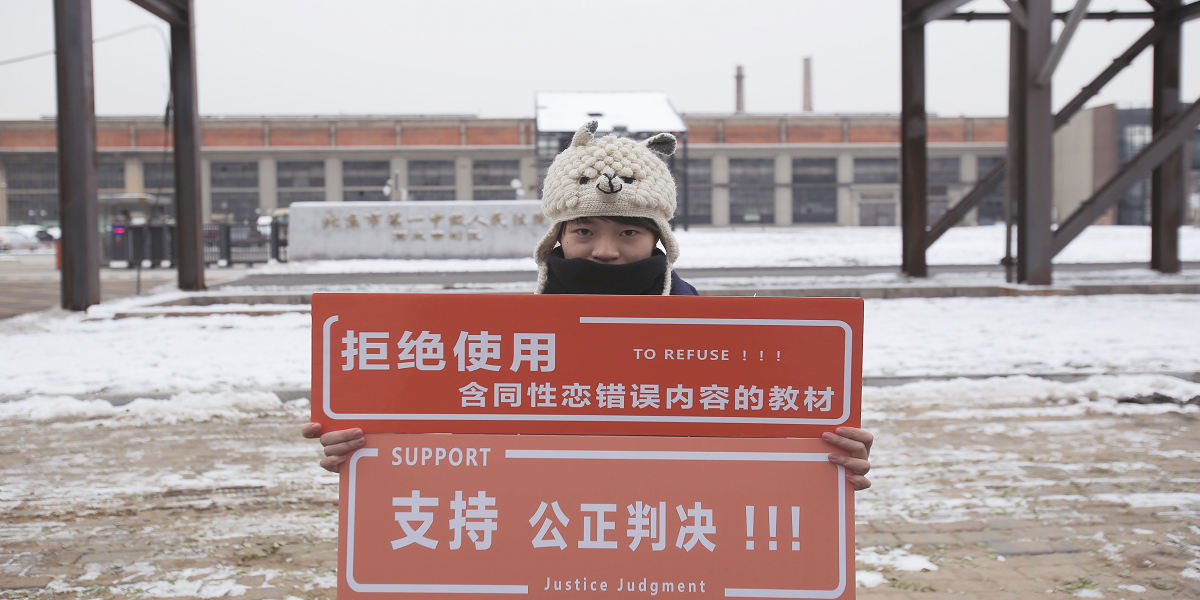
pixel 857 444
pixel 339 445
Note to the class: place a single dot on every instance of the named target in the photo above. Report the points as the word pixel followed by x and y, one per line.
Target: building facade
pixel 739 169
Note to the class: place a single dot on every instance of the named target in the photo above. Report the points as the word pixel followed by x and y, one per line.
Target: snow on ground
pixel 711 247
pixel 1031 335
pixel 1038 448
pixel 60 353
pixel 1026 460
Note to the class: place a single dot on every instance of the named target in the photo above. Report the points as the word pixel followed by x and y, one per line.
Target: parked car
pixel 12 239
pixel 36 232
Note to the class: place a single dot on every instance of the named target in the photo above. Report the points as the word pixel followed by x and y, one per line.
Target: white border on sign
pixel 410 588
pixel 402 588
pixel 327 403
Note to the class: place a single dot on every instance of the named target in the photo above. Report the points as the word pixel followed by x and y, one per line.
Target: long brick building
pixel 741 169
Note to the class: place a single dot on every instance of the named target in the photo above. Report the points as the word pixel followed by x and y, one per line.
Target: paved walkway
pixel 30 282
pixel 864 279
pixel 1005 496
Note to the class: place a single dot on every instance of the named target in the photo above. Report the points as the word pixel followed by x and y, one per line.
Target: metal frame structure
pixel 78 201
pixel 1033 58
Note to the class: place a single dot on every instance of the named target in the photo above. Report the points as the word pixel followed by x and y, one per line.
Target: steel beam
pixel 956 213
pixel 1186 13
pixel 189 215
pixel 913 157
pixel 1060 16
pixel 1173 136
pixel 920 12
pixel 1017 12
pixel 1168 183
pixel 1107 75
pixel 986 184
pixel 1030 140
pixel 687 217
pixel 1064 39
pixel 77 200
pixel 174 12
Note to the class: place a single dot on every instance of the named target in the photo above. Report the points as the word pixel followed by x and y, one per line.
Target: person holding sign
pixel 610 200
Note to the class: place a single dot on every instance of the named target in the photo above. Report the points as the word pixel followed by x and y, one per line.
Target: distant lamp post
pixel 518 188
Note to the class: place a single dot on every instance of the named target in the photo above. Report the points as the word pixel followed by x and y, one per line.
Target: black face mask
pixel 582 276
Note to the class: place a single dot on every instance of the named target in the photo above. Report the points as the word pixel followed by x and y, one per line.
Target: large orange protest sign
pixel 616 365
pixel 498 516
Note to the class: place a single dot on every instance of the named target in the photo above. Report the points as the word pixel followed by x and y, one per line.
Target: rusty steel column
pixel 913 156
pixel 1168 183
pixel 1030 143
pixel 687 217
pixel 189 212
pixel 77 201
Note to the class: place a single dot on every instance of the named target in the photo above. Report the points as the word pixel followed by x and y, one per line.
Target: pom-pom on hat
pixel 610 177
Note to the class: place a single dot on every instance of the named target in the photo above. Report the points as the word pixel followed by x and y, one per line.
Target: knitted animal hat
pixel 609 177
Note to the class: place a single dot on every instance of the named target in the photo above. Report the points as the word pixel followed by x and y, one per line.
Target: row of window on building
pixel 33 184
pixel 814 188
pixel 235 193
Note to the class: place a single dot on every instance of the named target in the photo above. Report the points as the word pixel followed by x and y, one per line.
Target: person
pixel 609 200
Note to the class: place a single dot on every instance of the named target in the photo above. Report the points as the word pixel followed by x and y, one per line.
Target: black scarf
pixel 582 276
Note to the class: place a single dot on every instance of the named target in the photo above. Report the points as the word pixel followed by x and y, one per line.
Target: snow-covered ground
pixel 57 369
pixel 58 353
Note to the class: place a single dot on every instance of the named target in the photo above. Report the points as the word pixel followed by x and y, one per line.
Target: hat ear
pixel 663 143
pixel 584 135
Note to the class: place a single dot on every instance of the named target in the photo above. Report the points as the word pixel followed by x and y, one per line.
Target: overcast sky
pixel 489 57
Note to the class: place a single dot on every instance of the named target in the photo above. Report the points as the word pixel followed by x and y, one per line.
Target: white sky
pixel 486 57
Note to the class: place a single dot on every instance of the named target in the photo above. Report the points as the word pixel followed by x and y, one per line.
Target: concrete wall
pixel 1085 157
pixel 1072 165
pixel 500 229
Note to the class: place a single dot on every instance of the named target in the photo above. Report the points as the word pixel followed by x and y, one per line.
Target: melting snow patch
pixel 138 569
pixel 183 407
pixel 54 408
pixel 1190 573
pixel 1086 593
pixel 1179 500
pixel 1132 588
pixel 869 579
pixel 896 558
pixel 93 571
pixel 322 581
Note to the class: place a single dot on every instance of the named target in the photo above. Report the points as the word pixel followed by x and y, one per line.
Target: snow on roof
pixel 639 112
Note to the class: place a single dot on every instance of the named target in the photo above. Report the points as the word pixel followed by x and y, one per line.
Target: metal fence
pixel 224 245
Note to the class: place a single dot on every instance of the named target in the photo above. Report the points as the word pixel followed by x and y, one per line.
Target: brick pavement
pixel 1009 496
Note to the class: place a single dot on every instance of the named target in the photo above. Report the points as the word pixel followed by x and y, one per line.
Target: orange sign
pixel 612 365
pixel 498 516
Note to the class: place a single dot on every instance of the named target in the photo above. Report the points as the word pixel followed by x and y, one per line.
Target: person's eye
pixel 582 231
pixel 629 232
pixel 583 180
pixel 628 179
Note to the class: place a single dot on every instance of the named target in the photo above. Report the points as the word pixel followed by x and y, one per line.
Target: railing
pixel 224 245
